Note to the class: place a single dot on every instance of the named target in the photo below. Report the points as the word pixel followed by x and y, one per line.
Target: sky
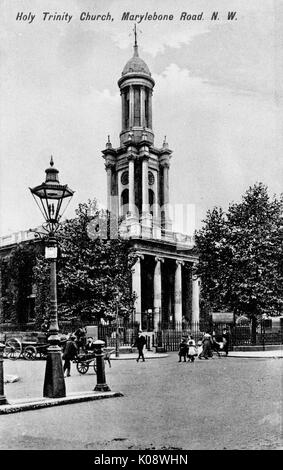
pixel 217 98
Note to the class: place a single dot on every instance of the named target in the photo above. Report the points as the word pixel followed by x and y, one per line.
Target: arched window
pixel 151 200
pixel 124 202
pixel 137 107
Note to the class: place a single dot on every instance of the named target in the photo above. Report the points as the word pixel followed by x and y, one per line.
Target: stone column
pixel 131 116
pixel 195 300
pixel 123 109
pixel 165 189
pixel 178 293
pixel 157 291
pixel 145 208
pixel 108 167
pixel 119 191
pixel 136 287
pixel 142 98
pixel 131 185
pixel 150 109
pixel 156 209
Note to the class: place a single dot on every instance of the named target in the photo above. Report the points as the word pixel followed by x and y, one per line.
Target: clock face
pixel 151 178
pixel 125 177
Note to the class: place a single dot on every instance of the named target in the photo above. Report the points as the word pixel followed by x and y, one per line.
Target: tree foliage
pixel 241 255
pixel 16 282
pixel 92 272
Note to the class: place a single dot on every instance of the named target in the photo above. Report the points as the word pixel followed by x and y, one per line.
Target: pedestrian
pixel 70 352
pixel 215 345
pixel 226 341
pixel 89 345
pixel 140 343
pixel 199 349
pixel 206 346
pixel 183 350
pixel 45 325
pixel 192 351
pixel 80 335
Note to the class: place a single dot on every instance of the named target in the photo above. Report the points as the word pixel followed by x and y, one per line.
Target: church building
pixel 167 291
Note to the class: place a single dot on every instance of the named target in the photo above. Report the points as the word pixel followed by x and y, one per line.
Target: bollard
pixel 101 385
pixel 3 400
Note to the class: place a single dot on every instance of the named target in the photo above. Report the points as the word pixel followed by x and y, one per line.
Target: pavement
pixel 18 405
pixel 277 354
pixel 223 403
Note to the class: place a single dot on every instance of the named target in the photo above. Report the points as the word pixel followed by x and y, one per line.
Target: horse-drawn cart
pixel 29 347
pixel 83 361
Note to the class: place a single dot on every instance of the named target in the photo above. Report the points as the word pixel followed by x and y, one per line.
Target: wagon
pixel 83 361
pixel 30 349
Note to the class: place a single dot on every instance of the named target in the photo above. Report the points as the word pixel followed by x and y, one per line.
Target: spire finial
pixel 108 143
pixel 51 161
pixel 136 53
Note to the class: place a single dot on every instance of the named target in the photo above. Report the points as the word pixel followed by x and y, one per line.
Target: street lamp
pixel 50 197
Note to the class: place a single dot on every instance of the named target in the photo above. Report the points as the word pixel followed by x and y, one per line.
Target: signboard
pixel 51 252
pixel 222 317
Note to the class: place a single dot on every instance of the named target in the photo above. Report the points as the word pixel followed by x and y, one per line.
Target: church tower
pixel 137 171
pixel 138 196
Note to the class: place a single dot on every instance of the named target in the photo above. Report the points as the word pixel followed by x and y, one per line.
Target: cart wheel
pixel 13 348
pixel 82 367
pixel 29 353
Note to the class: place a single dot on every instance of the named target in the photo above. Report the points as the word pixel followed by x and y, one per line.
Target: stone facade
pixel 138 196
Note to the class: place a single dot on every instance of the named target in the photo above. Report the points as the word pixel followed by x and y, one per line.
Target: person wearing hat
pixel 70 352
pixel 140 343
pixel 183 350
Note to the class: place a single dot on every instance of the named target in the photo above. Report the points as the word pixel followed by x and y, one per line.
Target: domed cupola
pixel 136 65
pixel 136 85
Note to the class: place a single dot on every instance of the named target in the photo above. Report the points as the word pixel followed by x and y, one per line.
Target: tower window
pixel 137 107
pixel 127 110
pixel 125 178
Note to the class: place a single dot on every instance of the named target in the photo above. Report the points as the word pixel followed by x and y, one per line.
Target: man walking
pixel 70 352
pixel 139 343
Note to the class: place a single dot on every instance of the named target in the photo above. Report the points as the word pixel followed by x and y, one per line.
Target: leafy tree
pixel 16 282
pixel 92 272
pixel 241 256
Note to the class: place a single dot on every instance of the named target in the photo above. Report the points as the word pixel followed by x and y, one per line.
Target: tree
pixel 241 256
pixel 91 271
pixel 17 279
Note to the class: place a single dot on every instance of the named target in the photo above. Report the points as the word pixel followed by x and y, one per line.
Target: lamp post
pixel 50 197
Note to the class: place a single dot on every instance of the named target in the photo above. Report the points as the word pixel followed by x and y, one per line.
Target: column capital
pixel 131 157
pixel 109 165
pixel 158 258
pixel 165 164
pixel 179 262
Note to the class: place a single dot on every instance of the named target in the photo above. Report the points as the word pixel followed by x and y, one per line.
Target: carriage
pixel 29 347
pixel 83 361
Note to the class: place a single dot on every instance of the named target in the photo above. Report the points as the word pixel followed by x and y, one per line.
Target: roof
pixel 136 64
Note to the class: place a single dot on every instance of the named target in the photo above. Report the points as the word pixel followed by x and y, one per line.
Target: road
pixel 222 403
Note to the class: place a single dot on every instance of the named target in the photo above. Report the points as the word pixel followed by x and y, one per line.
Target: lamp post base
pixel 102 388
pixel 54 383
pixel 3 401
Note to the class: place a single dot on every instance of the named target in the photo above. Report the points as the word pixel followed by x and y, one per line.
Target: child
pixel 183 350
pixel 192 352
